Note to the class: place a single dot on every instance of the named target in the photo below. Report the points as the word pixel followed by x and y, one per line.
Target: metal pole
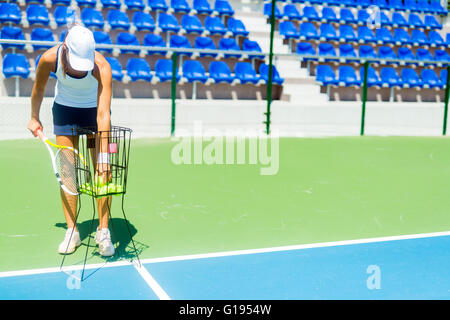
pixel 364 97
pixel 174 91
pixel 447 91
pixel 269 82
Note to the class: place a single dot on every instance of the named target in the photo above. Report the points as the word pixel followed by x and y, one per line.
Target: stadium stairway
pixel 298 86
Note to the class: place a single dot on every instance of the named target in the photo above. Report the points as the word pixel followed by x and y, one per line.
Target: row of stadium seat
pixel 141 21
pixel 346 16
pixel 138 69
pixel 326 32
pixel 127 39
pixel 440 58
pixel 424 6
pixel 221 7
pixel 388 77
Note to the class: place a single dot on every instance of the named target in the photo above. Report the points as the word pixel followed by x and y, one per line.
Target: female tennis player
pixel 82 99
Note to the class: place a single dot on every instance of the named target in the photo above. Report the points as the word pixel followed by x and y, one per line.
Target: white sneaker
pixel 70 243
pixel 103 239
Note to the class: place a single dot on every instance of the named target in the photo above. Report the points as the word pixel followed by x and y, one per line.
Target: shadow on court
pixel 120 237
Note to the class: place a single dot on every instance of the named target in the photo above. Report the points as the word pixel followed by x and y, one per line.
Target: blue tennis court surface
pixel 416 268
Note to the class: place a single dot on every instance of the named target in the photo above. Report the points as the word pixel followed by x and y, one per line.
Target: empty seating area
pixel 342 34
pixel 180 24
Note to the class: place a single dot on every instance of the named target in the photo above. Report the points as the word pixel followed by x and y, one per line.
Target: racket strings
pixel 65 166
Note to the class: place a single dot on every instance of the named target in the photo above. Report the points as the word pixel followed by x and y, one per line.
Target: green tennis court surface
pixel 326 190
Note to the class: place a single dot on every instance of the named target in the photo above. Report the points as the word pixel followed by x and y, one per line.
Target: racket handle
pixel 40 134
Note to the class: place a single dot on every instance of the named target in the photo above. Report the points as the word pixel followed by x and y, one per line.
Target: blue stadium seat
pixel 367 52
pixel 401 37
pixel 230 45
pixel 192 24
pixel 436 7
pixel 118 20
pixel 37 14
pixel 202 7
pixel 60 15
pixel 86 3
pixel 264 74
pixel 328 33
pixel 346 16
pixel 411 5
pixel 447 39
pixel 177 41
pixel 63 35
pixel 116 68
pixel 363 17
pixel 220 72
pixel 245 73
pixel 372 78
pixel 441 57
pixel 385 52
pixel 390 78
pixel 424 5
pixel 288 30
pixel 193 71
pixel 252 46
pixel 415 21
pixel 223 8
pixel 382 4
pixel 102 37
pixel 237 27
pixel 305 48
pixel 15 65
pixel 406 54
pixel 310 14
pixel 423 54
pixel 65 2
pixel 138 69
pixel 268 11
pixel 163 70
pixel 214 25
pixel 444 76
pixel 290 11
pixel 399 21
pixel 10 12
pixel 432 23
pixel 134 4
pixel 396 5
pixel 205 43
pixel 111 3
pixel 346 51
pixel 12 33
pixel 365 35
pixel 327 50
pixel 168 23
pixel 347 76
pixel 328 15
pixel 346 33
pixel 154 40
pixel 384 36
pixel 383 19
pixel 419 38
pixel 410 78
pixel 308 31
pixel 430 79
pixel 92 18
pixel 158 5
pixel 325 75
pixel 127 39
pixel 180 6
pixel 41 34
pixel 143 21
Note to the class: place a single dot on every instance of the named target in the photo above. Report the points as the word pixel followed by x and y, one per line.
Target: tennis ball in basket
pixel 99 181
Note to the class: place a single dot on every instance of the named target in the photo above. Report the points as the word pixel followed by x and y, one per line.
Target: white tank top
pixel 75 92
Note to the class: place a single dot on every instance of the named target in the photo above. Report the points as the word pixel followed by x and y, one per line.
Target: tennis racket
pixel 64 164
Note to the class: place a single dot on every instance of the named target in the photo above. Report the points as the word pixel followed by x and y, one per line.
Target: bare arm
pixel 46 64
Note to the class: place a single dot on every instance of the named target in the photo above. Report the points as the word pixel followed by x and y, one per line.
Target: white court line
pixel 162 295
pixel 229 253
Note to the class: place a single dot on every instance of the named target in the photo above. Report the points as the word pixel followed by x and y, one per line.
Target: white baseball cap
pixel 81 44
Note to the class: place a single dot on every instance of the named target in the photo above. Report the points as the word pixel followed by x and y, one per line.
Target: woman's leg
pixel 69 202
